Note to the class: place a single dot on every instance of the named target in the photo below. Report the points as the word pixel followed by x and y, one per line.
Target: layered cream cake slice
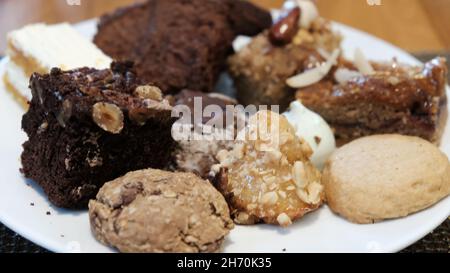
pixel 39 48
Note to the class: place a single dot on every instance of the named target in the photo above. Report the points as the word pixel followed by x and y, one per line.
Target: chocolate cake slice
pixel 88 126
pixel 179 44
pixel 394 98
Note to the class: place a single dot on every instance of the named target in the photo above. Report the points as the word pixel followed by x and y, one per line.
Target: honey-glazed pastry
pixel 383 98
pixel 269 178
pixel 297 42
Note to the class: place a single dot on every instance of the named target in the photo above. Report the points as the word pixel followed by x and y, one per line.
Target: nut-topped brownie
pixel 392 98
pixel 179 44
pixel 88 126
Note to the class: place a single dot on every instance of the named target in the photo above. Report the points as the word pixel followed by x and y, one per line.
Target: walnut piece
pixel 108 116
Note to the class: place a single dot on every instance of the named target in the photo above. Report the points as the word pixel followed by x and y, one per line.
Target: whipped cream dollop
pixel 314 129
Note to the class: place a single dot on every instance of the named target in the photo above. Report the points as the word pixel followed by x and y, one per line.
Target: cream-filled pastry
pixel 39 48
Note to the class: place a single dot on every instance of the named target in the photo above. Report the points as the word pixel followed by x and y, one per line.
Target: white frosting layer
pixel 58 46
pixel 314 129
pixel 17 78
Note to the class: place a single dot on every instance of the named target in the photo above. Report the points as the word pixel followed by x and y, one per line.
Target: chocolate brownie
pixel 396 98
pixel 88 126
pixel 179 44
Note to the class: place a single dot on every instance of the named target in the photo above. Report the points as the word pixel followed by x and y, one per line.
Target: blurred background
pixel 414 25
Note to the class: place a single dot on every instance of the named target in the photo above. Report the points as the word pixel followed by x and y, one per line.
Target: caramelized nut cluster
pixel 269 178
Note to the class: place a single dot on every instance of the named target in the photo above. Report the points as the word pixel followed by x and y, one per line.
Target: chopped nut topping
pixel 191 239
pixel 42 127
pixel 274 155
pixel 393 80
pixel 242 217
pixel 108 116
pixel 269 198
pixel 222 155
pixel 290 188
pixel 284 220
pixel 313 194
pixel 95 162
pixel 303 195
pixel 303 36
pixel 169 194
pixel 149 92
pixel 314 189
pixel 270 177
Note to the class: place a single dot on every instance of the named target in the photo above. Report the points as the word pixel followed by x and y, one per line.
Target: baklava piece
pixel 381 99
pixel 296 43
pixel 88 126
pixel 265 180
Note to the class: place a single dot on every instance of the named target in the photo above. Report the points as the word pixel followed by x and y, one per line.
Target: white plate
pixel 321 231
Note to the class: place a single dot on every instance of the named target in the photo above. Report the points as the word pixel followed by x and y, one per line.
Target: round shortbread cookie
pixel 384 177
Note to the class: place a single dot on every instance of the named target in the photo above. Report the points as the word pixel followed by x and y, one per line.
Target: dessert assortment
pixel 393 98
pixel 101 131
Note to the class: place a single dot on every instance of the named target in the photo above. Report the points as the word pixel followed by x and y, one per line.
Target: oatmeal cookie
pixel 158 211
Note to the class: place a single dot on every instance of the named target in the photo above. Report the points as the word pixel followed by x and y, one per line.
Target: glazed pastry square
pixel 260 69
pixel 393 99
